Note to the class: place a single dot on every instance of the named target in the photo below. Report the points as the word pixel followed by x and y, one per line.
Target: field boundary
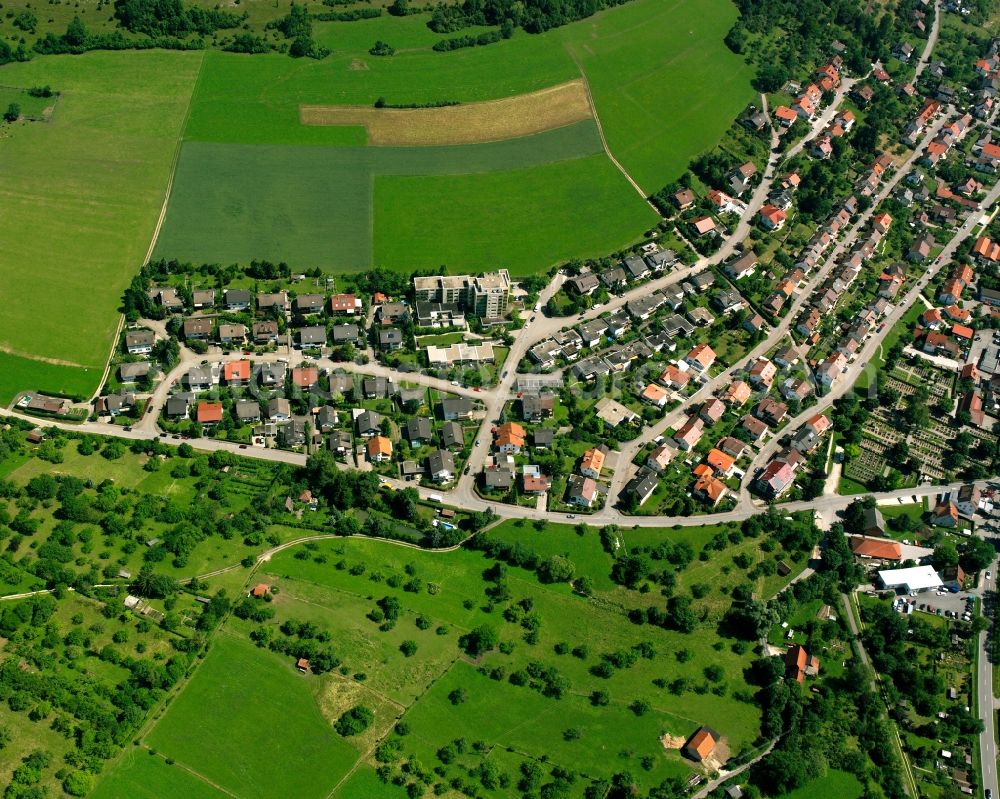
pixel 466 123
pixel 600 132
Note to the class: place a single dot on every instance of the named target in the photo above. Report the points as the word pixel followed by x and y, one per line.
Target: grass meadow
pixel 143 775
pixel 18 373
pixel 80 196
pixel 835 785
pixel 267 736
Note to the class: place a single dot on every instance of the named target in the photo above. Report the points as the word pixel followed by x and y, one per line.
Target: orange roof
pixel 931 316
pixel 702 743
pixel 702 470
pixel 510 434
pixel 261 589
pixel 964 273
pixel 305 376
pixel 883 220
pixel 737 393
pixel 703 354
pixel 970 371
pixel 819 424
pixel 379 445
pixel 991 150
pixel 710 486
pixel 962 331
pixel 676 376
pixel 783 112
pixel 302 664
pixel 209 412
pixel 876 548
pixel 773 215
pixel 593 459
pixel 348 302
pixel 720 461
pixel 236 370
pixel 654 393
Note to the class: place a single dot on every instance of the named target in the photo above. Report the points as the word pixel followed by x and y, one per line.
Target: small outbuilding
pixel 700 746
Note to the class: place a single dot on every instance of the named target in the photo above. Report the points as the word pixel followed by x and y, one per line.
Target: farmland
pixel 217 210
pixel 470 211
pixel 91 180
pixel 657 112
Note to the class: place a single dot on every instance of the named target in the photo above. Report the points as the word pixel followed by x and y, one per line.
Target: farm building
pixel 700 746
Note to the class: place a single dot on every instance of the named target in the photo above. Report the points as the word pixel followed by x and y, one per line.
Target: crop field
pixel 313 206
pixel 524 219
pixel 658 110
pixel 80 197
pixel 471 123
pixel 665 86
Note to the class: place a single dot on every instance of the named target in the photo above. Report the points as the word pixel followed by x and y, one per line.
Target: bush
pixel 355 721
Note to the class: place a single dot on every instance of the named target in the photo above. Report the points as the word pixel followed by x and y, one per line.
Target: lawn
pixel 835 785
pixel 81 194
pixel 585 206
pixel 312 206
pixel 271 740
pixel 143 775
pixel 18 374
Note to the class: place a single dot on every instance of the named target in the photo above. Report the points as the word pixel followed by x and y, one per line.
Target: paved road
pixel 932 38
pixel 868 351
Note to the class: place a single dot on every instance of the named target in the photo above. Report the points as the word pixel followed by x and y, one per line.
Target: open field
pixel 494 120
pixel 271 740
pixel 665 85
pixel 835 785
pixel 142 775
pixel 313 206
pixel 80 196
pixel 18 373
pixel 526 219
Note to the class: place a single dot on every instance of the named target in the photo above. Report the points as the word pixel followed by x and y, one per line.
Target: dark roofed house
pixel 458 408
pixel 452 435
pixel 265 332
pixel 390 339
pixel 418 431
pixel 535 407
pixel 345 334
pixel 309 303
pixel 584 284
pixel 236 299
pixel 197 329
pixel 314 336
pixel 543 437
pixel 441 466
pixel 375 387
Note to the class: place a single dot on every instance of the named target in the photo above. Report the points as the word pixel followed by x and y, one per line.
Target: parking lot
pixel 945 602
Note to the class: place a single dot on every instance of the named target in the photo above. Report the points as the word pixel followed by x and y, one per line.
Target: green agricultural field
pixel 271 740
pixel 665 86
pixel 143 775
pixel 313 206
pixel 526 220
pixel 26 374
pixel 81 194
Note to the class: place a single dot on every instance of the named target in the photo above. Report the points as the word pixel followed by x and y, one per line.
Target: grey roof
pixel 390 335
pixel 375 387
pixel 129 371
pixel 177 406
pixel 441 461
pixel 543 436
pixel 593 329
pixel 452 435
pixel 279 405
pixel 369 420
pixel 247 409
pixel 459 405
pixel 236 297
pixel 411 395
pixel 345 333
pixel 140 338
pixel 419 428
pixel 661 258
pixel 309 302
pixel 312 335
pixel 873 519
pixel 644 482
pixel 498 478
pixel 636 266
